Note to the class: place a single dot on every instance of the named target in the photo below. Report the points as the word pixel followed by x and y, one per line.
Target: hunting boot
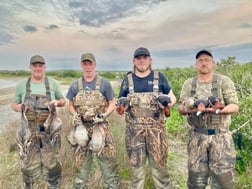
pixel 222 181
pixel 197 180
pixel 27 185
pixel 27 182
pixel 53 185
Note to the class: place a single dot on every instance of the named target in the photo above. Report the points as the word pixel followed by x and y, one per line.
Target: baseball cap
pixel 88 56
pixel 37 59
pixel 141 51
pixel 203 51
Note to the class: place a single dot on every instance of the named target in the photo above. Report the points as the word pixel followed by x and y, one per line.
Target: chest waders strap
pixel 28 88
pixel 214 89
pixel 81 85
pixel 155 82
pixel 194 84
pixel 82 102
pixel 211 119
pixel 131 84
pixel 144 116
pixel 39 114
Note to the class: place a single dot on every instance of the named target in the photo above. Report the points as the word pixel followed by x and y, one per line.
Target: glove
pixel 76 119
pixel 164 100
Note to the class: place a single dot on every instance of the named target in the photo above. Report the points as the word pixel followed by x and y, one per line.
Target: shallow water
pixel 5 83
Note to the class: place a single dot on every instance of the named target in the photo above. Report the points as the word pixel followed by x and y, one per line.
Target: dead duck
pixel 97 142
pixel 23 132
pixel 53 123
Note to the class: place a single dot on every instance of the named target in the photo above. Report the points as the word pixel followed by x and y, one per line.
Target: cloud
pixel 52 27
pixel 100 12
pixel 246 25
pixel 29 28
pixel 6 38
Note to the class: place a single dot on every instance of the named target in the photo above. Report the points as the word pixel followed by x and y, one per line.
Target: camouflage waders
pixel 90 103
pixel 146 138
pixel 211 151
pixel 40 160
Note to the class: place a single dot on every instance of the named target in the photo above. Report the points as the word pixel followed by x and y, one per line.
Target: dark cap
pixel 37 59
pixel 141 51
pixel 88 56
pixel 203 51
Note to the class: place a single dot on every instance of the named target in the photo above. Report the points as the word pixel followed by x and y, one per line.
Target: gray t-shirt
pixel 105 88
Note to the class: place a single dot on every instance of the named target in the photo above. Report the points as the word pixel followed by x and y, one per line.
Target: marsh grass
pixel 10 174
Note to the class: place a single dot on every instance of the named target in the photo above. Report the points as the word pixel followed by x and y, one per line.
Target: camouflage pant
pixel 107 163
pixel 41 161
pixel 147 142
pixel 211 156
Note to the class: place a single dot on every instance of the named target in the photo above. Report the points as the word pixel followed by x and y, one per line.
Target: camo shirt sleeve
pixel 228 90
pixel 185 90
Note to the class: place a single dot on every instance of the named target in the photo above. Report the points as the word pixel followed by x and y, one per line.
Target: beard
pixel 143 69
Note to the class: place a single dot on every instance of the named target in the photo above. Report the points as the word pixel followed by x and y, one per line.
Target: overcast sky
pixel 173 31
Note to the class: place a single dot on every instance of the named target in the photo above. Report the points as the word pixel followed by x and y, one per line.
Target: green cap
pixel 37 59
pixel 88 56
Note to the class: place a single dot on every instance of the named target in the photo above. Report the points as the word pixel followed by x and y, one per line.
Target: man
pixel 211 152
pixel 91 101
pixel 33 96
pixel 144 95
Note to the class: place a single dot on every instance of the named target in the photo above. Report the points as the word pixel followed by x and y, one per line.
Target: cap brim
pixel 37 62
pixel 87 60
pixel 141 55
pixel 203 52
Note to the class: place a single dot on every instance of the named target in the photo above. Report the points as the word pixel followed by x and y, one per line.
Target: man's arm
pixel 71 108
pixel 110 108
pixel 229 109
pixel 59 103
pixel 16 106
pixel 172 98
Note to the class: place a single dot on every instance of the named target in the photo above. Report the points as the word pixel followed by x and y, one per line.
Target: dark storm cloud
pixel 99 12
pixel 29 28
